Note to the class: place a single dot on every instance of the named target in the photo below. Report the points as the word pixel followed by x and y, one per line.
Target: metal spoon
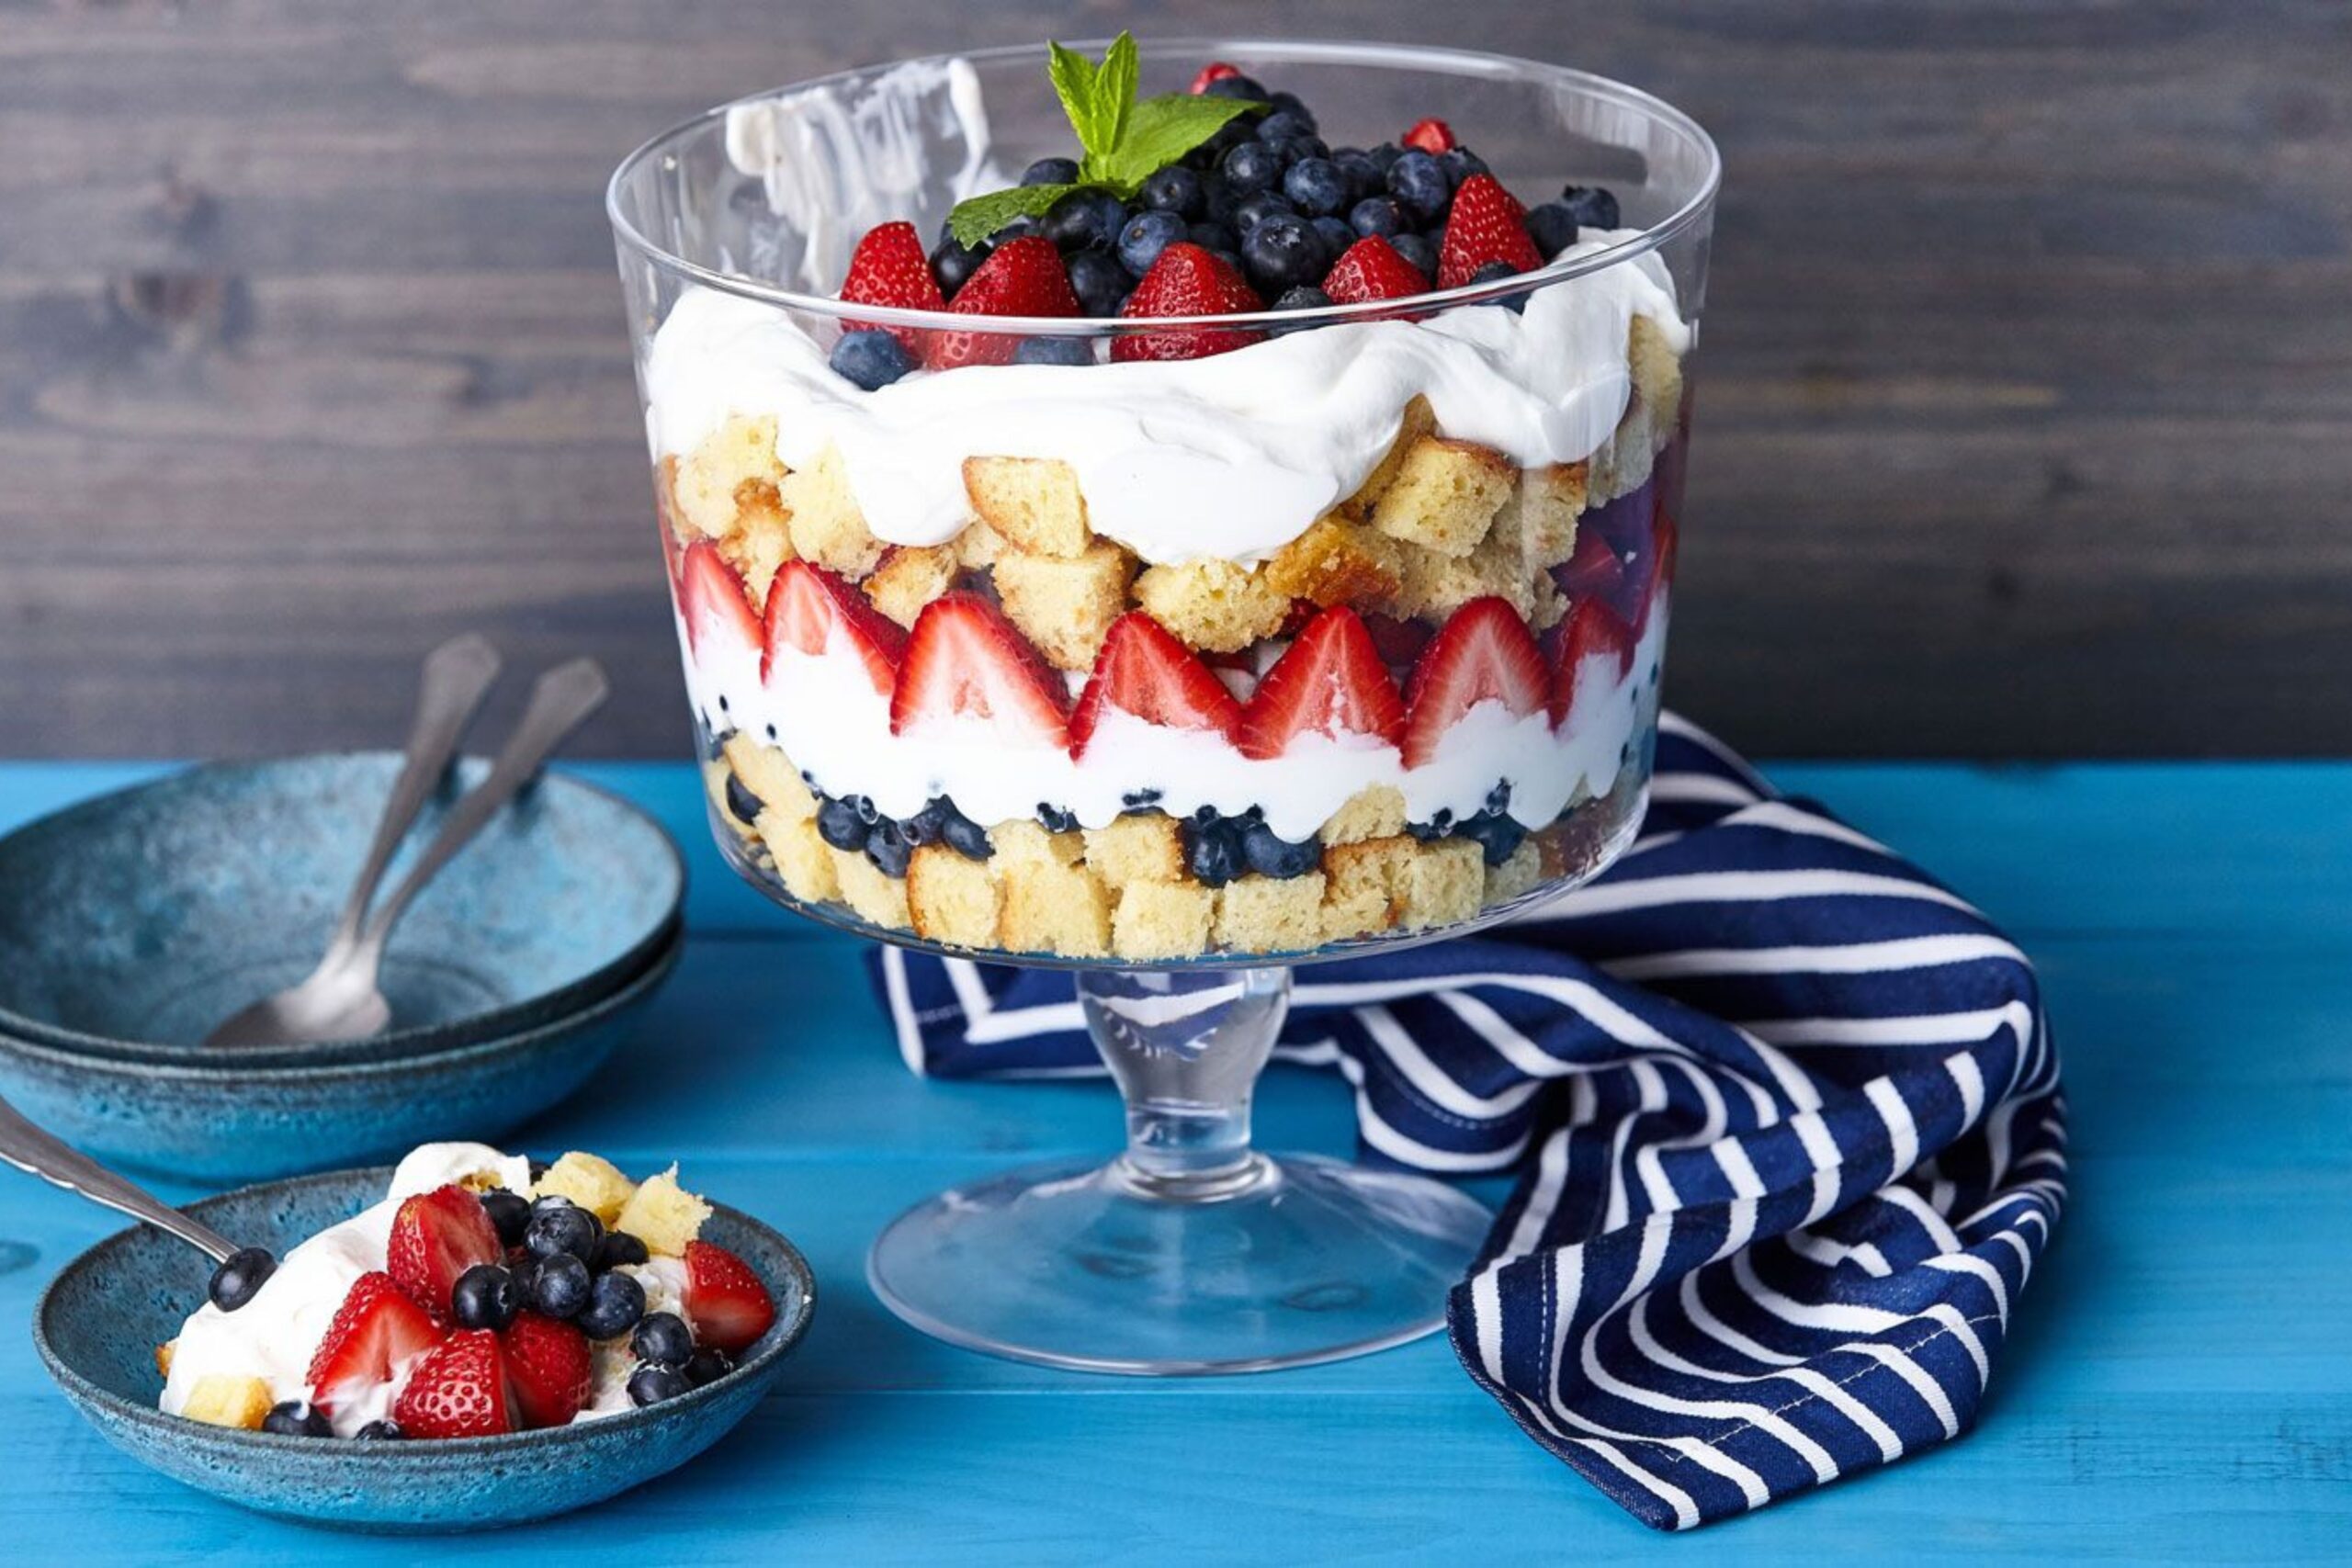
pixel 38 1153
pixel 340 1000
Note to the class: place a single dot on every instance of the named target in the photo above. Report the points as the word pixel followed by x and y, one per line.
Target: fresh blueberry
pixel 1376 215
pixel 1302 296
pixel 651 1384
pixel 963 835
pixel 564 1229
pixel 615 1302
pixel 868 812
pixel 1256 208
pixel 922 827
pixel 742 804
pixel 510 1214
pixel 1495 271
pixel 1418 251
pixel 871 359
pixel 1553 228
pixel 1440 824
pixel 1270 855
pixel 1315 187
pixel 1497 833
pixel 662 1340
pixel 296 1418
pixel 838 823
pixel 1214 237
pixel 1291 104
pixel 1085 220
pixel 886 847
pixel 1335 234
pixel 1175 189
pixel 708 1365
pixel 1594 207
pixel 1098 281
pixel 384 1431
pixel 1418 185
pixel 242 1273
pixel 1281 251
pixel 1213 852
pixel 1205 158
pixel 952 262
pixel 1298 149
pixel 1145 235
pixel 1281 125
pixel 1383 157
pixel 1499 797
pixel 1237 86
pixel 1051 172
pixel 559 1286
pixel 485 1296
pixel 1252 166
pixel 1020 228
pixel 619 1247
pixel 1460 163
pixel 1364 178
pixel 1056 818
pixel 1141 799
pixel 1053 351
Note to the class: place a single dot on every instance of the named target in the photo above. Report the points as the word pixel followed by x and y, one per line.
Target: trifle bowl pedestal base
pixel 1189 1252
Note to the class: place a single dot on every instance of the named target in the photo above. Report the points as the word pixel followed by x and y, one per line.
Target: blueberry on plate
pixel 1285 125
pixel 1497 833
pixel 1051 172
pixel 242 1273
pixel 1460 163
pixel 1418 251
pixel 840 825
pixel 1553 228
pixel 708 1365
pixel 559 1286
pixel 485 1296
pixel 1252 166
pixel 651 1384
pixel 1363 176
pixel 619 1247
pixel 1212 851
pixel 296 1419
pixel 886 847
pixel 1145 235
pixel 1305 296
pixel 1495 271
pixel 616 1303
pixel 963 835
pixel 1376 215
pixel 662 1340
pixel 1594 207
pixel 1316 188
pixel 564 1228
pixel 510 1214
pixel 952 262
pixel 384 1431
pixel 1053 351
pixel 1175 189
pixel 1418 185
pixel 1335 234
pixel 1098 281
pixel 870 359
pixel 1085 220
pixel 1291 104
pixel 1214 237
pixel 1270 855
pixel 1283 252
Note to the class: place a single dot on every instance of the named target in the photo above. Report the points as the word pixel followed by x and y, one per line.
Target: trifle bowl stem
pixel 1189 1252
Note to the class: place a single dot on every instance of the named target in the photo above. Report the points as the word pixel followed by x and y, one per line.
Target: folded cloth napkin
pixel 1785 1110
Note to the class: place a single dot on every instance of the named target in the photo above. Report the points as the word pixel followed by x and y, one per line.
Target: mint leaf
pixel 976 220
pixel 1115 89
pixel 1077 82
pixel 1160 131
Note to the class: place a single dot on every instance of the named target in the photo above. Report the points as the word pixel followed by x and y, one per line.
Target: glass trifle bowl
pixel 1172 599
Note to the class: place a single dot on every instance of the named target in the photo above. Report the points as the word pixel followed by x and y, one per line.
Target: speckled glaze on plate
pixel 132 923
pixel 98 1325
pixel 244 1123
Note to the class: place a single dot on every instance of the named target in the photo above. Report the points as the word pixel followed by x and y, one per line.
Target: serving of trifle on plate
pixel 1243 535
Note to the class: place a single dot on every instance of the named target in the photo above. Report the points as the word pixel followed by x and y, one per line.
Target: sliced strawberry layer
pixel 815 611
pixel 1594 571
pixel 965 660
pixel 1667 542
pixel 375 1330
pixel 1187 281
pixel 1432 136
pixel 1592 631
pixel 1021 277
pixel 458 1390
pixel 1146 673
pixel 548 1368
pixel 1483 653
pixel 1400 641
pixel 1487 224
pixel 726 1304
pixel 1332 682
pixel 1372 269
pixel 711 602
pixel 436 1237
pixel 890 268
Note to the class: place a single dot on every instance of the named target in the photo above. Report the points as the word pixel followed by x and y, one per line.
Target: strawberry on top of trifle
pixel 1246 636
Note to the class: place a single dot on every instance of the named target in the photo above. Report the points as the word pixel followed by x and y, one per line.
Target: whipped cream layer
pixel 1229 456
pixel 822 711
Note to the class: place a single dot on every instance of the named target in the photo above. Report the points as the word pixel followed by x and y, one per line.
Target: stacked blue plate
pixel 131 924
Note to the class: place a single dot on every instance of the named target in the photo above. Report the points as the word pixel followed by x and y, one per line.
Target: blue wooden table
pixel 2178 1385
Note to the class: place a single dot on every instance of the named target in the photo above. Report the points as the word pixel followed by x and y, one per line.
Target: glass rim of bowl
pixel 1453 61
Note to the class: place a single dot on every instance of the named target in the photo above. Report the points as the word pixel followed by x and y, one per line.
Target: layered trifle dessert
pixel 1104 634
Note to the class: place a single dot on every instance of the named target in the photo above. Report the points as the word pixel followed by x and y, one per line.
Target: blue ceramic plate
pixel 131 924
pixel 240 1124
pixel 98 1323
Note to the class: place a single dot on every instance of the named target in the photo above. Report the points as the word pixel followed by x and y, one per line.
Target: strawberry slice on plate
pixel 964 660
pixel 1488 224
pixel 1021 277
pixel 458 1390
pixel 1145 672
pixel 888 269
pixel 377 1330
pixel 726 1304
pixel 1432 136
pixel 815 611
pixel 548 1369
pixel 1592 631
pixel 1332 682
pixel 1372 269
pixel 1482 653
pixel 436 1237
pixel 711 602
pixel 1187 281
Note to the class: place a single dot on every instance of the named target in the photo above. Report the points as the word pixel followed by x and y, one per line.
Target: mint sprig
pixel 1124 142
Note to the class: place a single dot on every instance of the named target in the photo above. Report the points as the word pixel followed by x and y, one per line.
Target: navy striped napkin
pixel 1786 1113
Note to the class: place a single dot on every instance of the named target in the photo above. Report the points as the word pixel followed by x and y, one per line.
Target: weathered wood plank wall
pixel 2025 423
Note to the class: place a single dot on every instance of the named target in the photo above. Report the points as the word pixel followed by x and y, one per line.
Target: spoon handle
pixel 561 701
pixel 38 1153
pixel 458 675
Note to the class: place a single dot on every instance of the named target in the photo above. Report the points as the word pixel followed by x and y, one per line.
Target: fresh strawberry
pixel 1488 224
pixel 436 1237
pixel 814 611
pixel 1594 571
pixel 375 1331
pixel 711 602
pixel 548 1367
pixel 1021 277
pixel 965 659
pixel 1592 631
pixel 1628 521
pixel 1332 682
pixel 1145 672
pixel 1432 136
pixel 890 268
pixel 726 1304
pixel 1371 269
pixel 1215 70
pixel 1665 544
pixel 1399 641
pixel 458 1390
pixel 1187 281
pixel 1482 653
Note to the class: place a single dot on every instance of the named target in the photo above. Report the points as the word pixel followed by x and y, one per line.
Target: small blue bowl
pixel 98 1325
pixel 244 1123
pixel 131 924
